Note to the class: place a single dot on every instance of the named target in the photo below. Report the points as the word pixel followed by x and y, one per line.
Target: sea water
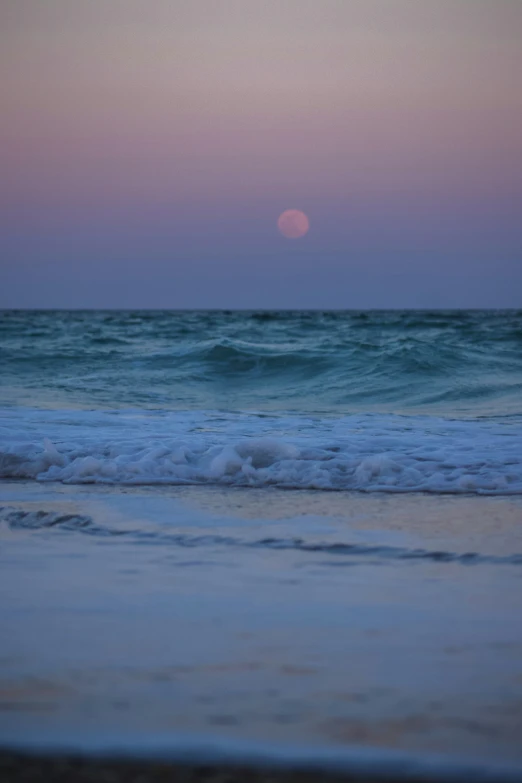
pixel 296 528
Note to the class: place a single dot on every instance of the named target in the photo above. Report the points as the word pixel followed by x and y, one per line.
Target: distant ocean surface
pixel 396 401
pixel 287 533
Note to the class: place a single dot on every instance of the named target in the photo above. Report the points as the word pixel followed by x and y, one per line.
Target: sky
pixel 148 148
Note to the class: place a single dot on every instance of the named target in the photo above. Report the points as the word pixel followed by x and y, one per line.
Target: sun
pixel 293 223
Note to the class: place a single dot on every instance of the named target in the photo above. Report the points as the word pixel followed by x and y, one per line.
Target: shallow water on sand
pixel 262 615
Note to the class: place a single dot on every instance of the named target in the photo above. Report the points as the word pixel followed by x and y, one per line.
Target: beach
pixel 334 620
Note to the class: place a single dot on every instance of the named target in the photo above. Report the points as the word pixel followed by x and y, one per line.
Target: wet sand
pixel 143 635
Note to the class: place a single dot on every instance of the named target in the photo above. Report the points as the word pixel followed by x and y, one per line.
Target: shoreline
pixel 259 616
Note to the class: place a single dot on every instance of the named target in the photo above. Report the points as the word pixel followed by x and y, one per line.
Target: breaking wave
pixel 363 453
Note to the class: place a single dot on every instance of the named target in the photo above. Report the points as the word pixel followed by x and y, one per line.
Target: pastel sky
pixel 149 146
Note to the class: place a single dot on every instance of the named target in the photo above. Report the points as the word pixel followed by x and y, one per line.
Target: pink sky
pixel 159 140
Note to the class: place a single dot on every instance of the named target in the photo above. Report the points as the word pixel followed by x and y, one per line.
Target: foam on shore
pixel 371 452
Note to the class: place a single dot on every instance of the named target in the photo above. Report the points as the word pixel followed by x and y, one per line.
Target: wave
pixel 369 453
pixel 470 362
pixel 18 519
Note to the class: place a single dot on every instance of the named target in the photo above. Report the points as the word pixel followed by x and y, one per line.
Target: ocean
pixel 298 532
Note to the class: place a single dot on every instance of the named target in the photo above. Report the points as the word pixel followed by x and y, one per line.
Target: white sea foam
pixel 364 452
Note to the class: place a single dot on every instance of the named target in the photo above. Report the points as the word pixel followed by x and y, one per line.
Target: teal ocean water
pixel 397 401
pixel 465 363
